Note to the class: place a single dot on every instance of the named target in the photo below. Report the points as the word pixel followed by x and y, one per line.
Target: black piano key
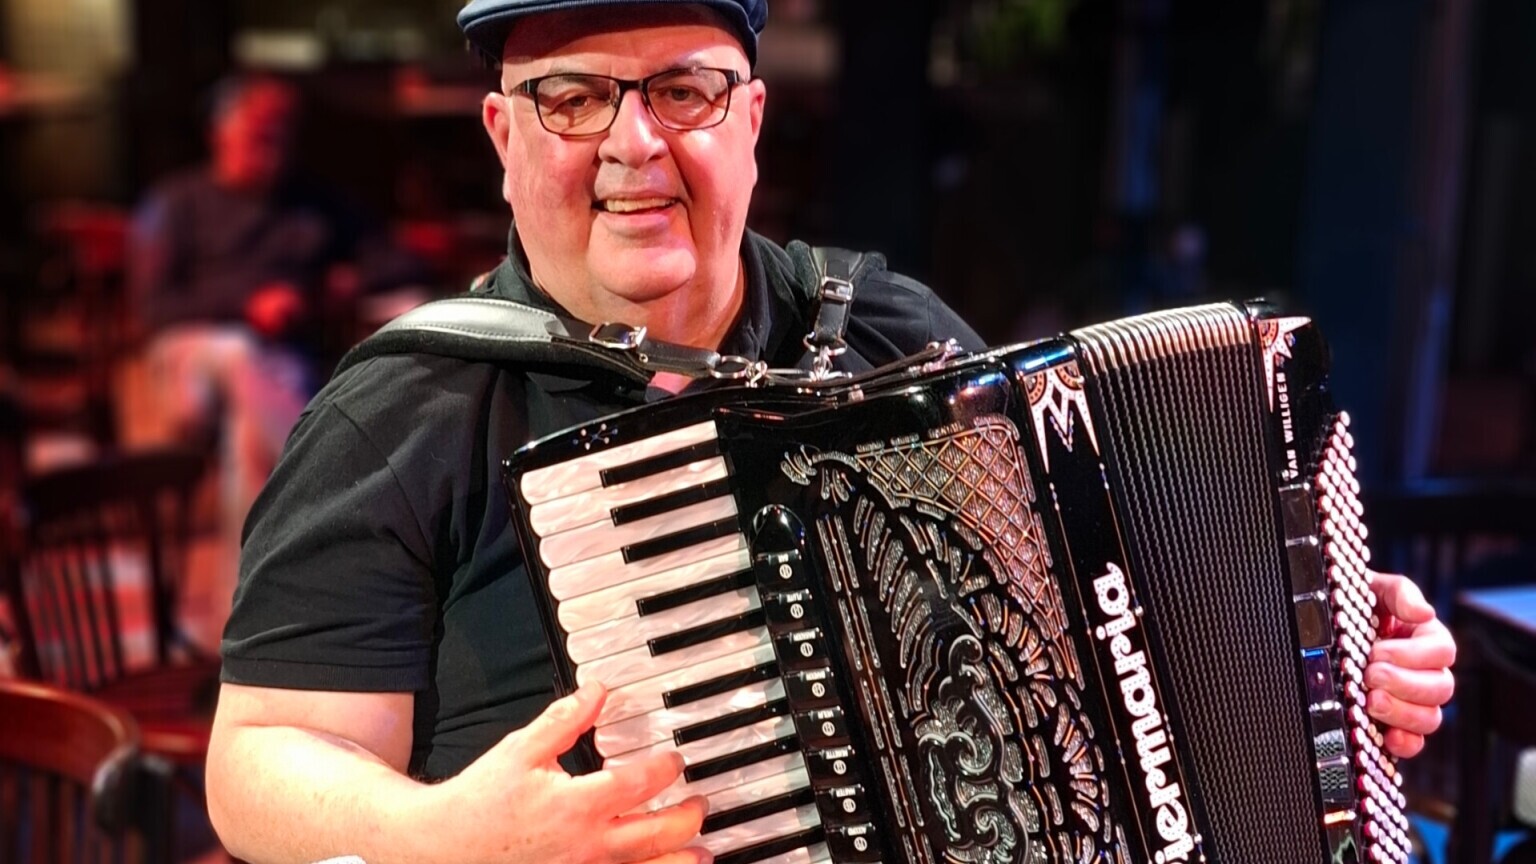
pixel 705 632
pixel 658 463
pixel 669 502
pixel 731 761
pixel 681 539
pixel 691 593
pixel 735 720
pixel 758 809
pixel 716 686
pixel 770 848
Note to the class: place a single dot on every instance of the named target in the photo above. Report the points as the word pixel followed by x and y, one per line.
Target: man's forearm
pixel 280 794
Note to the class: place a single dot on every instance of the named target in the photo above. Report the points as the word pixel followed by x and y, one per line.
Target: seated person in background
pixel 229 264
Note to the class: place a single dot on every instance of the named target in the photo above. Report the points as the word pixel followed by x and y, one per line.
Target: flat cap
pixel 485 22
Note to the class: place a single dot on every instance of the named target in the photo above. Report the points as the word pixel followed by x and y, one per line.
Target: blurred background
pixel 1042 164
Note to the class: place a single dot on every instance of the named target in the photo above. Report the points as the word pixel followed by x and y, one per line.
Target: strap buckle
pixel 836 290
pixel 618 336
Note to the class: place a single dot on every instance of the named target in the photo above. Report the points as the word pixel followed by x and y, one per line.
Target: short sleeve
pixel 336 589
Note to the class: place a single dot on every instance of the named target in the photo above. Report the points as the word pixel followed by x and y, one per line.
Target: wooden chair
pixel 73 786
pixel 85 624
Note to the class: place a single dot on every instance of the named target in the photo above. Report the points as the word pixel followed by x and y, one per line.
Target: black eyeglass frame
pixel 530 88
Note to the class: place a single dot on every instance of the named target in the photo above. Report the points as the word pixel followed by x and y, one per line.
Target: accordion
pixel 1101 598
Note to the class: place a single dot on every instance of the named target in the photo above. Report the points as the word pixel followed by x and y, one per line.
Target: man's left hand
pixel 1409 674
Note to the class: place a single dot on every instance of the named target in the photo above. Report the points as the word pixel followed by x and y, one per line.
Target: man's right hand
pixel 296 776
pixel 520 805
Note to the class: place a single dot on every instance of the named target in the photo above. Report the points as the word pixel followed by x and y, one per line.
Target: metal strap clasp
pixel 618 336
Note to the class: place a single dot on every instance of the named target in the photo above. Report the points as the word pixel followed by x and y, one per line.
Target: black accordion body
pixel 1101 598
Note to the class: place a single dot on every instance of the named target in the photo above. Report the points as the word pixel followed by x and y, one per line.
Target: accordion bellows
pixel 1102 598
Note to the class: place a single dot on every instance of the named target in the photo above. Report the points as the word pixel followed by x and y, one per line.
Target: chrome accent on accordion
pixel 1101 598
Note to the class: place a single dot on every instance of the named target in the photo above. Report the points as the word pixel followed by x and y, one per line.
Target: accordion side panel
pixel 1176 400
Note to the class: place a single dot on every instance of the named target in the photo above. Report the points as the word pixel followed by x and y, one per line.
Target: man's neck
pixel 692 316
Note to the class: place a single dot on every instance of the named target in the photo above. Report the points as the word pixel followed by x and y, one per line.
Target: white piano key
pixel 758 830
pixel 723 744
pixel 583 473
pixel 628 584
pixel 710 786
pixel 595 574
pixel 758 790
pixel 592 541
pixel 563 514
pixel 816 854
pixel 658 726
pixel 626 667
pixel 621 634
pixel 642 697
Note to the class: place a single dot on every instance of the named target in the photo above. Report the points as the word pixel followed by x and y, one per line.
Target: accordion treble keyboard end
pixel 1097 599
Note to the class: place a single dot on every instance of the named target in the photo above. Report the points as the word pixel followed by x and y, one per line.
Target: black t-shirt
pixel 380 557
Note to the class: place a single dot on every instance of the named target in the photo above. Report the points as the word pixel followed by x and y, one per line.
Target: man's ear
pixel 496 115
pixel 757 96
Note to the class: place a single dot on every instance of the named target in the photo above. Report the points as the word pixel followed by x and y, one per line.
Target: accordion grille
pixel 1183 411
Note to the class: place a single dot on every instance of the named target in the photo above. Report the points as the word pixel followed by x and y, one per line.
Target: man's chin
pixel 641 276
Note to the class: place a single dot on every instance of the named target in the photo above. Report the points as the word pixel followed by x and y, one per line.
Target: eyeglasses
pixel 575 105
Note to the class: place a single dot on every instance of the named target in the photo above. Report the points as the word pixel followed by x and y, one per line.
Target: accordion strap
pixel 477 327
pixel 837 273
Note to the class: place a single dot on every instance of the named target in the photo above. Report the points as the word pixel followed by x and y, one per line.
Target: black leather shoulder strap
pixel 492 329
pixel 478 327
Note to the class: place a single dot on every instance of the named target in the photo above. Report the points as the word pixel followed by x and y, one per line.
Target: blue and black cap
pixel 485 22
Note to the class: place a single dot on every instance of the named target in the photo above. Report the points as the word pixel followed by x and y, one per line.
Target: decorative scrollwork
pixel 971 627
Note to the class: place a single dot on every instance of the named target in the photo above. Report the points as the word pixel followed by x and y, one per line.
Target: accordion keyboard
pixel 655 596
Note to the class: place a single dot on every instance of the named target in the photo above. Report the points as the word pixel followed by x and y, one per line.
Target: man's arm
pixel 299 776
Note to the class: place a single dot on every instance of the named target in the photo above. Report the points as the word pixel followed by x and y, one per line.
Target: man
pixel 226 263
pixel 384 653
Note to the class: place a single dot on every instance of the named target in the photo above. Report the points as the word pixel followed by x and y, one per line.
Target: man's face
pixel 640 211
pixel 253 139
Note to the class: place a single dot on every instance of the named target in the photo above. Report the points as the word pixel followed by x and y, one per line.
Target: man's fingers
pixel 1399 597
pixel 622 788
pixel 649 835
pixel 1404 744
pixel 557 729
pixel 1419 686
pixel 1408 716
pixel 1429 647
